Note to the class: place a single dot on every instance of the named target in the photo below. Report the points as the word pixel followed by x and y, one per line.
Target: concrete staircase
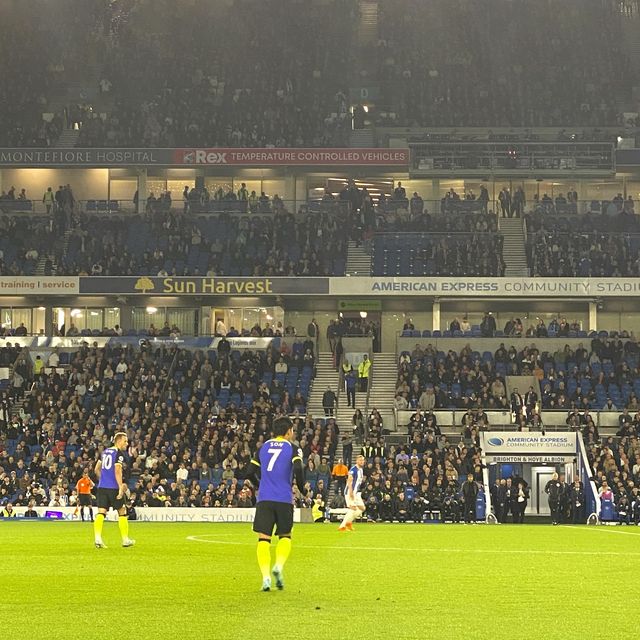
pixel 326 376
pixel 17 407
pixel 60 249
pixel 68 139
pixel 631 32
pixel 358 260
pixel 362 139
pixel 384 372
pixel 631 38
pixel 368 25
pixel 41 265
pixel 365 68
pixel 513 251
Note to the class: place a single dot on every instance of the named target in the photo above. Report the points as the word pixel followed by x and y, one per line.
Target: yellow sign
pixel 144 284
pixel 215 286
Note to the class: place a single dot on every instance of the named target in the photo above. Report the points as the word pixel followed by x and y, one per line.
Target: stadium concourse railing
pixel 389 206
pixel 462 203
pixel 114 206
pixel 491 156
pixel 502 420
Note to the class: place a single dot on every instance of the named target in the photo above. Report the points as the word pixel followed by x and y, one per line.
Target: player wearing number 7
pixel 352 495
pixel 111 489
pixel 274 466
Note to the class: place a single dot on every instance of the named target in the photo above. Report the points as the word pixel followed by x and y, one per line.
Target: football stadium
pixel 319 319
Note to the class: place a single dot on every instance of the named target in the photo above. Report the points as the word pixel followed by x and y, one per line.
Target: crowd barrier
pixel 165 514
pixel 447 418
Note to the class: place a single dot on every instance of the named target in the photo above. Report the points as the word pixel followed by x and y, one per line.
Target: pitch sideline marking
pixel 607 529
pixel 200 538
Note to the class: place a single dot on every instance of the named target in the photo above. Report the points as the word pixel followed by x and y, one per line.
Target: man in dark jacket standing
pixel 553 490
pixel 519 502
pixel 328 401
pixel 469 495
pixel 401 508
pixel 576 494
pixel 564 503
pixel 501 501
pixel 488 326
pixel 517 403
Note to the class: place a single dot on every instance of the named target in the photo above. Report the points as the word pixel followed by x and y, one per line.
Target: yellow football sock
pixel 283 549
pixel 97 525
pixel 123 525
pixel 264 557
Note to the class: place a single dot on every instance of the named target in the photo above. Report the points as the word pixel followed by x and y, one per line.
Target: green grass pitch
pixel 382 581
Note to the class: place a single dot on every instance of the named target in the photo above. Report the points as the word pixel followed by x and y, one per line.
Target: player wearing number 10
pixel 111 489
pixel 274 466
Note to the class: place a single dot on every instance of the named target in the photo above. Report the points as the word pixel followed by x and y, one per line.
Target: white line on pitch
pixel 608 529
pixel 430 549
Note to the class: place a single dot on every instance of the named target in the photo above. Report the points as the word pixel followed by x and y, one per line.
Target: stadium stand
pixel 444 63
pixel 602 243
pixel 417 483
pixel 616 466
pixel 481 73
pixel 210 236
pixel 585 378
pixel 165 243
pixel 194 418
pixel 287 89
pixel 205 410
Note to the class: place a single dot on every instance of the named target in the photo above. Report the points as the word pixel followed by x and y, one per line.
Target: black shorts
pixel 271 514
pixel 108 499
pixel 84 499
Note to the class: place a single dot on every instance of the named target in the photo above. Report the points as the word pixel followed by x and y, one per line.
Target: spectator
pixel 328 402
pixel 363 373
pixel 339 473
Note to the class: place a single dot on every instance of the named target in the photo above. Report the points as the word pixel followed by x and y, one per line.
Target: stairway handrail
pixel 340 382
pixel 366 404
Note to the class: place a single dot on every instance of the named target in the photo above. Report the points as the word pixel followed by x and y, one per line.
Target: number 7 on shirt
pixel 274 456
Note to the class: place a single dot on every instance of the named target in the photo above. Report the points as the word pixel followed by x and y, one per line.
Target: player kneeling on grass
pixel 352 495
pixel 111 490
pixel 273 467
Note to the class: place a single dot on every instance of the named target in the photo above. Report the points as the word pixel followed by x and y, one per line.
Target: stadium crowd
pixel 45 47
pixel 193 418
pixel 445 63
pixel 192 240
pixel 286 89
pixel 437 64
pixel 604 373
pixel 594 245
pixel 438 245
pixel 616 466
pixel 422 481
pixel 168 243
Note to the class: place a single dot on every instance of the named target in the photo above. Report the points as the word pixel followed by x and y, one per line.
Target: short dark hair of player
pixel 281 426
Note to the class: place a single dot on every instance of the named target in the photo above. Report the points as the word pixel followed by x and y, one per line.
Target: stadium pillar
pixel 48 319
pixel 142 195
pixel 1 181
pixel 126 315
pixel 301 189
pixel 593 315
pixel 435 315
pixel 290 190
